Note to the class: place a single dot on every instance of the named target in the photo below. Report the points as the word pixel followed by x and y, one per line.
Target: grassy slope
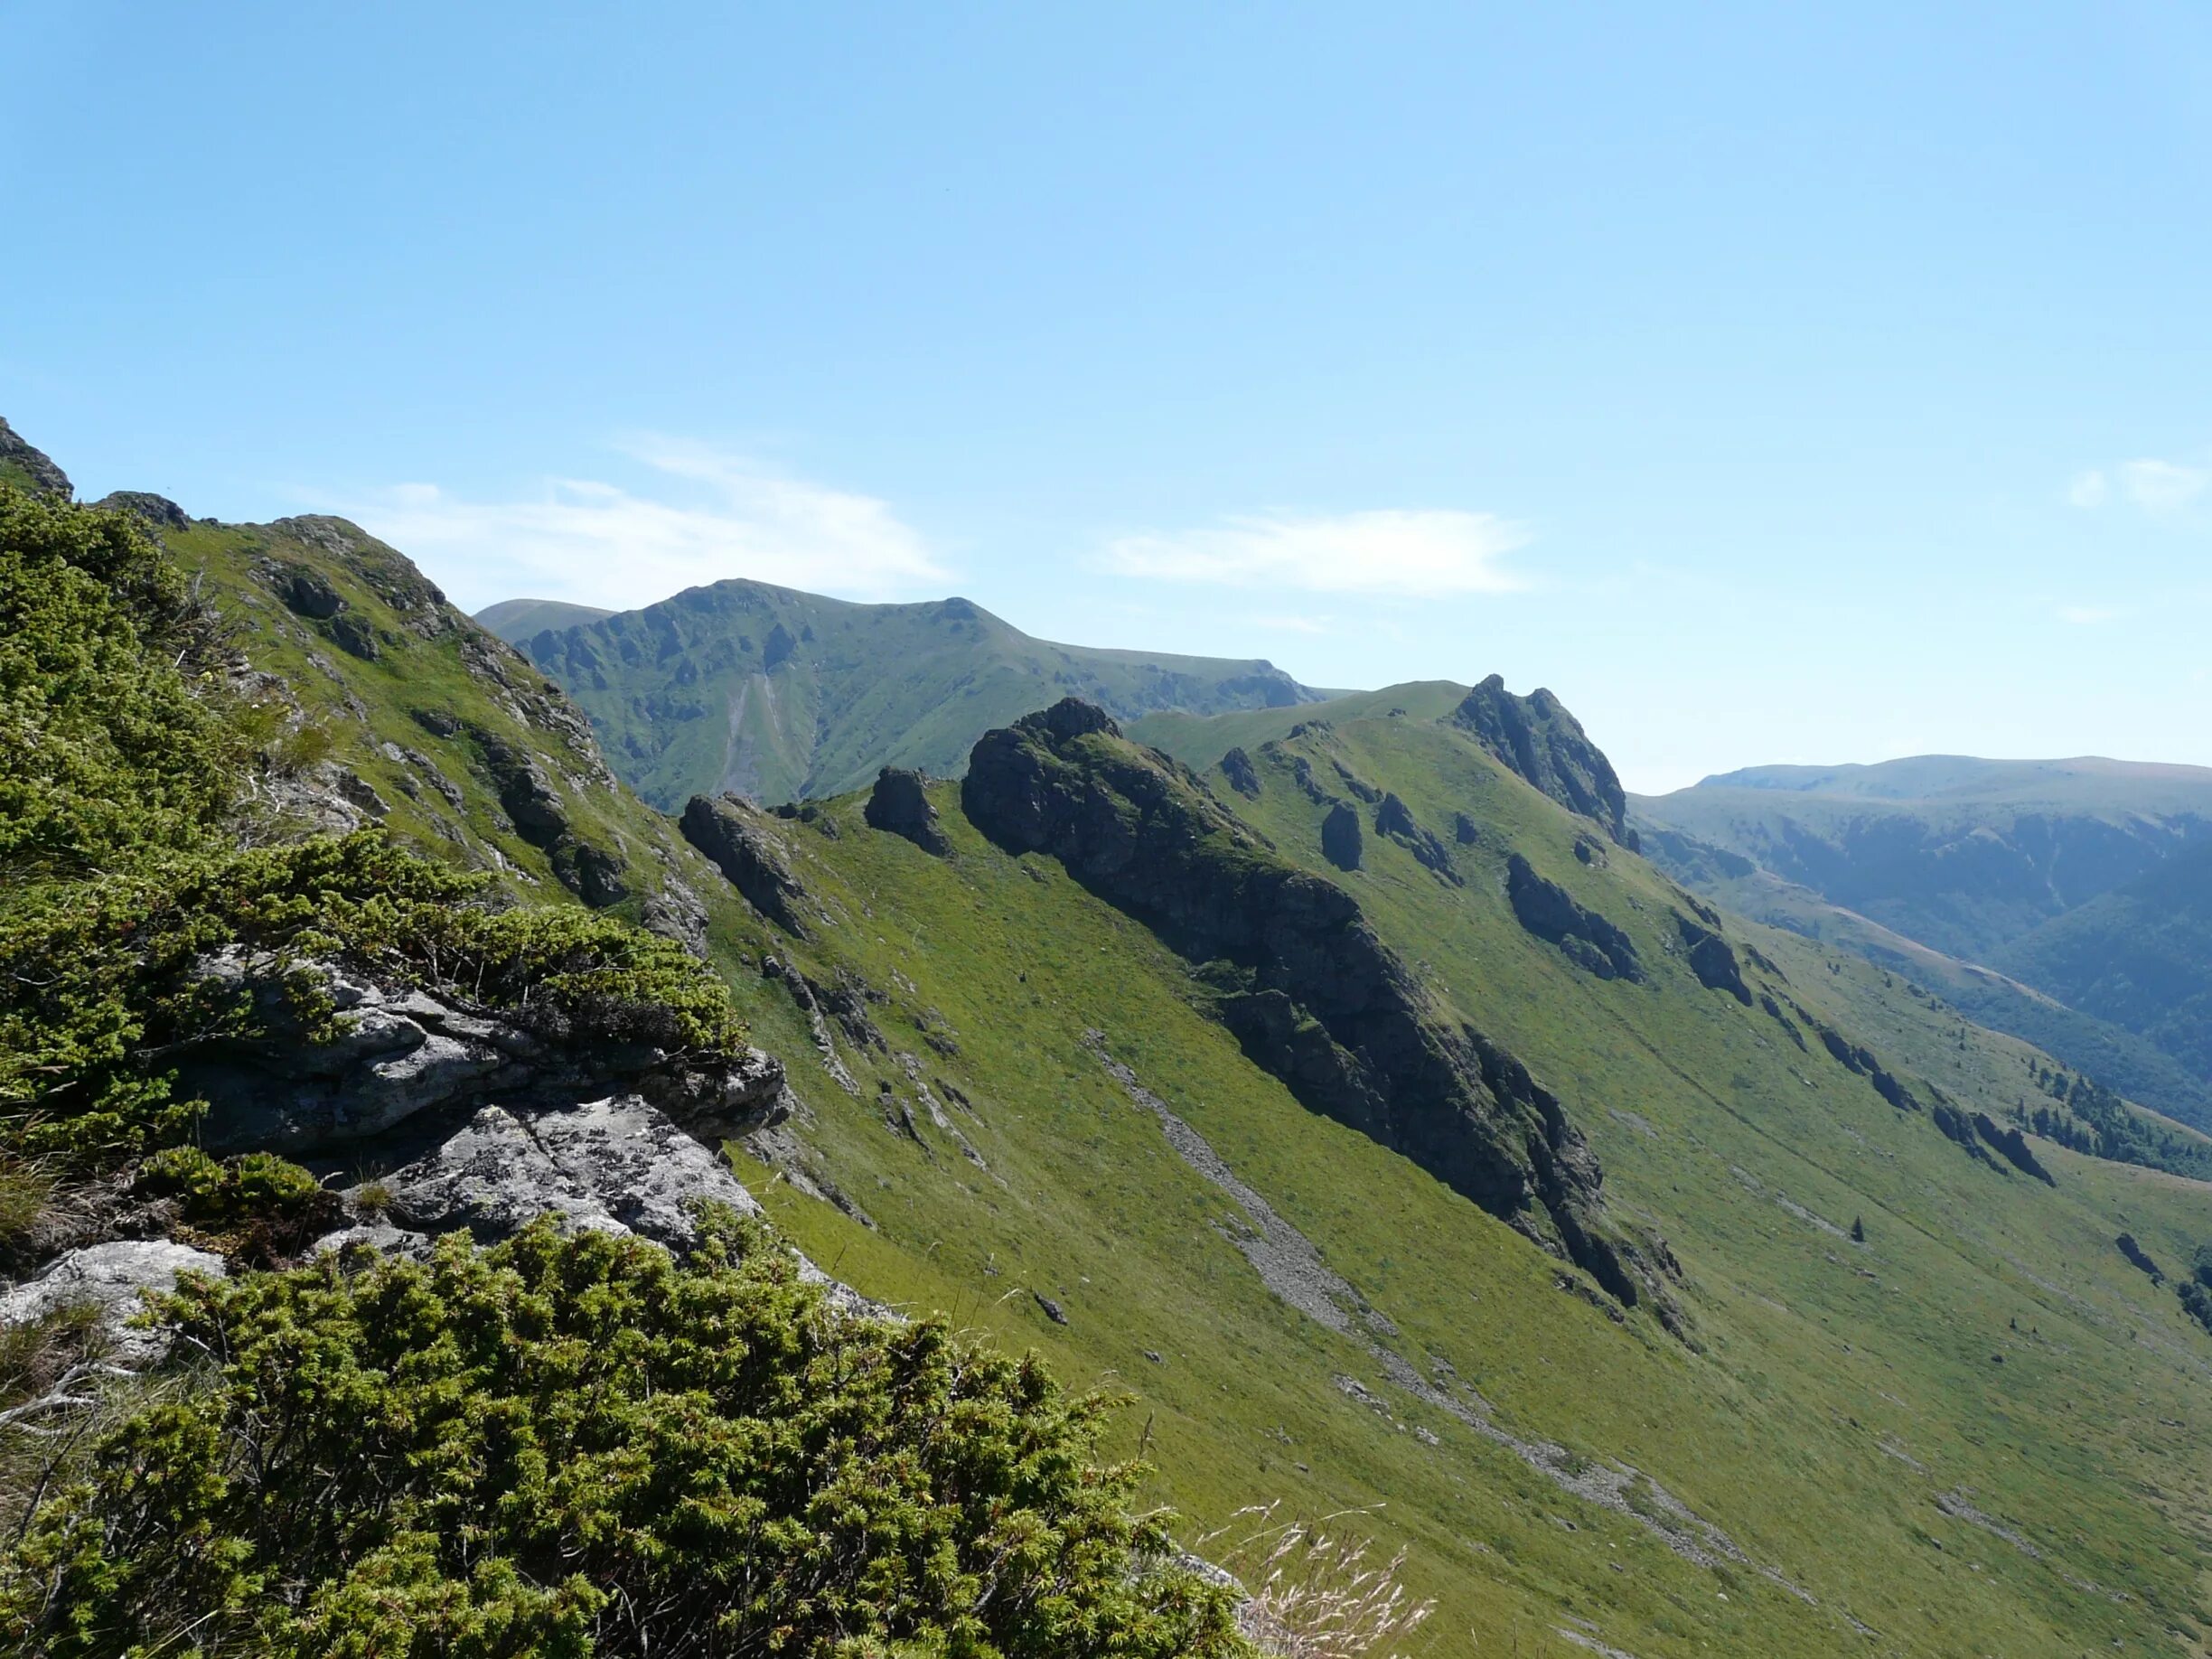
pixel 2118 1057
pixel 1773 1429
pixel 1979 861
pixel 359 707
pixel 1813 1355
pixel 2139 956
pixel 687 701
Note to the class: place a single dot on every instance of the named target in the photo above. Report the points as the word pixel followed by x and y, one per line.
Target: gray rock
pixel 616 1165
pixel 380 1236
pixel 1536 738
pixel 158 510
pixel 1243 775
pixel 900 804
pixel 677 912
pixel 1341 839
pixel 114 1278
pixel 741 846
pixel 405 1054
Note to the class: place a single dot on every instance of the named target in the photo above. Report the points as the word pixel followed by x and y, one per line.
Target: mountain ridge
pixel 777 695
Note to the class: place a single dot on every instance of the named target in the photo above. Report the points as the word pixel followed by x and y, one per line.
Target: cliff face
pixel 1312 994
pixel 1539 739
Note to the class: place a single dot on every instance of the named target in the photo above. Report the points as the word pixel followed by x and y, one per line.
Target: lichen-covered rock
pixel 404 1052
pixel 900 804
pixel 115 1279
pixel 616 1165
pixel 1536 738
pixel 677 912
pixel 737 840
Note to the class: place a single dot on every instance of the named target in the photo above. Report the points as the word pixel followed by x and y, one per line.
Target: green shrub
pixel 107 740
pixel 100 992
pixel 578 1445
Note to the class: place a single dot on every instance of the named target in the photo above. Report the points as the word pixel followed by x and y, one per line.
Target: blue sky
pixel 1810 384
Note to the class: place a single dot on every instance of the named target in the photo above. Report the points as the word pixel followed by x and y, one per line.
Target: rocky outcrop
pixel 1236 766
pixel 1341 843
pixel 617 1165
pixel 1313 995
pixel 158 512
pixel 2013 1145
pixel 737 839
pixel 677 912
pixel 1537 738
pixel 114 1278
pixel 404 1052
pixel 304 592
pixel 1860 1060
pixel 900 805
pixel 1712 959
pixel 1584 937
pixel 1394 820
pixel 20 460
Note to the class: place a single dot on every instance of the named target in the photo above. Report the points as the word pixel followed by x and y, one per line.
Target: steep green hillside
pixel 2125 1060
pixel 1967 874
pixel 782 696
pixel 2139 956
pixel 1400 1139
pixel 610 1442
pixel 398 707
pixel 1979 1430
pixel 1962 855
pixel 515 620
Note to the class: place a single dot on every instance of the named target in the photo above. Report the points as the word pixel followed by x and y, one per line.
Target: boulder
pixel 737 840
pixel 900 804
pixel 114 1278
pixel 616 1165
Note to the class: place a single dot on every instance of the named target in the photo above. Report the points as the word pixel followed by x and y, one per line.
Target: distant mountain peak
pixel 777 695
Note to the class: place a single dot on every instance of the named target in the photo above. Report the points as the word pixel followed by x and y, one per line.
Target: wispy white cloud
pixel 1414 553
pixel 723 514
pixel 2161 486
pixel 2088 615
pixel 2088 489
pixel 2157 487
pixel 1292 625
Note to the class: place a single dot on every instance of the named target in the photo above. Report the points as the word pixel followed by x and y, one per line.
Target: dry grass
pixel 1312 1589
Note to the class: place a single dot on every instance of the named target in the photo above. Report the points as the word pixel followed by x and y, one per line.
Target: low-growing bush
pixel 101 988
pixel 578 1445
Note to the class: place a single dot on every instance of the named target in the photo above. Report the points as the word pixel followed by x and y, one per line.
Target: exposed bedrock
pixel 900 804
pixel 1310 991
pixel 1549 912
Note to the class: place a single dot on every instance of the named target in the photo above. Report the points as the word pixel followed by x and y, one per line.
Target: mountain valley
pixel 1337 1080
